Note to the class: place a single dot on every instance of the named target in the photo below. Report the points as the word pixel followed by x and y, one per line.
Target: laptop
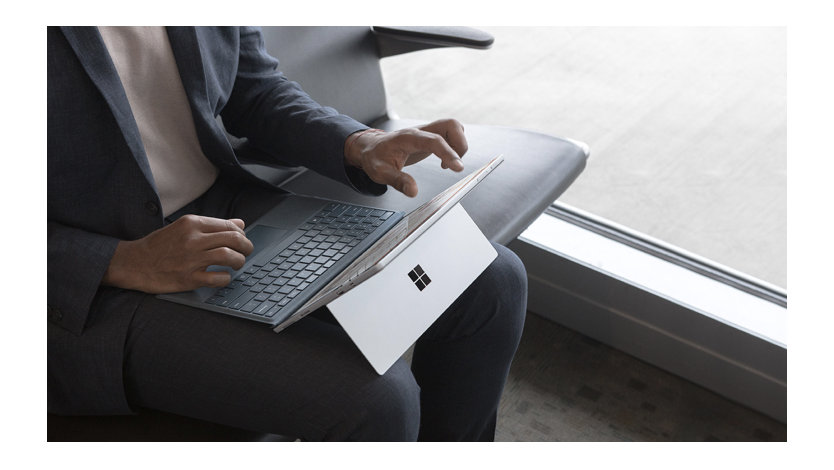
pixel 310 251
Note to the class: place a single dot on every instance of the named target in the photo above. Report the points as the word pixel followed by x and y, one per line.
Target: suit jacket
pixel 101 190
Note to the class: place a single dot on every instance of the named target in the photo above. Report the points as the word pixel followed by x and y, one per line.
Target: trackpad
pixel 261 237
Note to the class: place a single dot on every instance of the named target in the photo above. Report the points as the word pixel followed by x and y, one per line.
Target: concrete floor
pixel 687 126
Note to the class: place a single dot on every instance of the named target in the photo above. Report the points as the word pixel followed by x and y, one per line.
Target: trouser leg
pixel 309 381
pixel 461 363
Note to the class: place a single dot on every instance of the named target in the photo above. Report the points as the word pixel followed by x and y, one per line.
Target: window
pixel 687 126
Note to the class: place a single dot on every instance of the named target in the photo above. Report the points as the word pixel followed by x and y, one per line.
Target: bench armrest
pixel 399 40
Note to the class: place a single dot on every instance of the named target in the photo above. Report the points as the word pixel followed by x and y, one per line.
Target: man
pixel 145 191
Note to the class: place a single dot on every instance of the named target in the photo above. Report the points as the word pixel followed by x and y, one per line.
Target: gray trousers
pixel 310 381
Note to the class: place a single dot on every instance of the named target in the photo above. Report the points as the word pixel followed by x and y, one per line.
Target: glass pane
pixel 687 126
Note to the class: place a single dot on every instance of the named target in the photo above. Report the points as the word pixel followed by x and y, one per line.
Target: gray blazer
pixel 100 187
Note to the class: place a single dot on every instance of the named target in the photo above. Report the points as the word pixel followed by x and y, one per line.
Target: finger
pixel 434 143
pixel 230 239
pixel 212 278
pixel 399 180
pixel 222 256
pixel 456 139
pixel 210 224
pixel 452 132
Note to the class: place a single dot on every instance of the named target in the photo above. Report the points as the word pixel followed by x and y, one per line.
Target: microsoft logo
pixel 419 277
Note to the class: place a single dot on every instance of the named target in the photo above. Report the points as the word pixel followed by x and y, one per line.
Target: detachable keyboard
pixel 283 277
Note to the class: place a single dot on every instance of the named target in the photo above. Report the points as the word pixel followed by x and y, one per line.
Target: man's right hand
pixel 175 257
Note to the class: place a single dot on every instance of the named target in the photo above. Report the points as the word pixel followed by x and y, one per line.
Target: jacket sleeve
pixel 278 117
pixel 76 263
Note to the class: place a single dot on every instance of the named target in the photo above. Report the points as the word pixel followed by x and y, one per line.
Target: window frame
pixel 718 353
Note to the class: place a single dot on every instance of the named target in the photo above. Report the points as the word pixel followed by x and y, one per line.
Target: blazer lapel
pixel 87 44
pixel 212 136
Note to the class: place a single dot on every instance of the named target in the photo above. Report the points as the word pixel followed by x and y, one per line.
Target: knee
pixel 388 407
pixel 496 303
pixel 505 279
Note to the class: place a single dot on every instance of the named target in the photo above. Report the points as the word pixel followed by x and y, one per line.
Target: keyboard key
pixel 300 266
pixel 250 306
pixel 263 308
pixel 271 313
pixel 242 300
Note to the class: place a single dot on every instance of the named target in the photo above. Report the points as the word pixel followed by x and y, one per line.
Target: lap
pixel 240 373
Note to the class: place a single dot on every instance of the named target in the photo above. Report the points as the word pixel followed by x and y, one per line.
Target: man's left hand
pixel 383 155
